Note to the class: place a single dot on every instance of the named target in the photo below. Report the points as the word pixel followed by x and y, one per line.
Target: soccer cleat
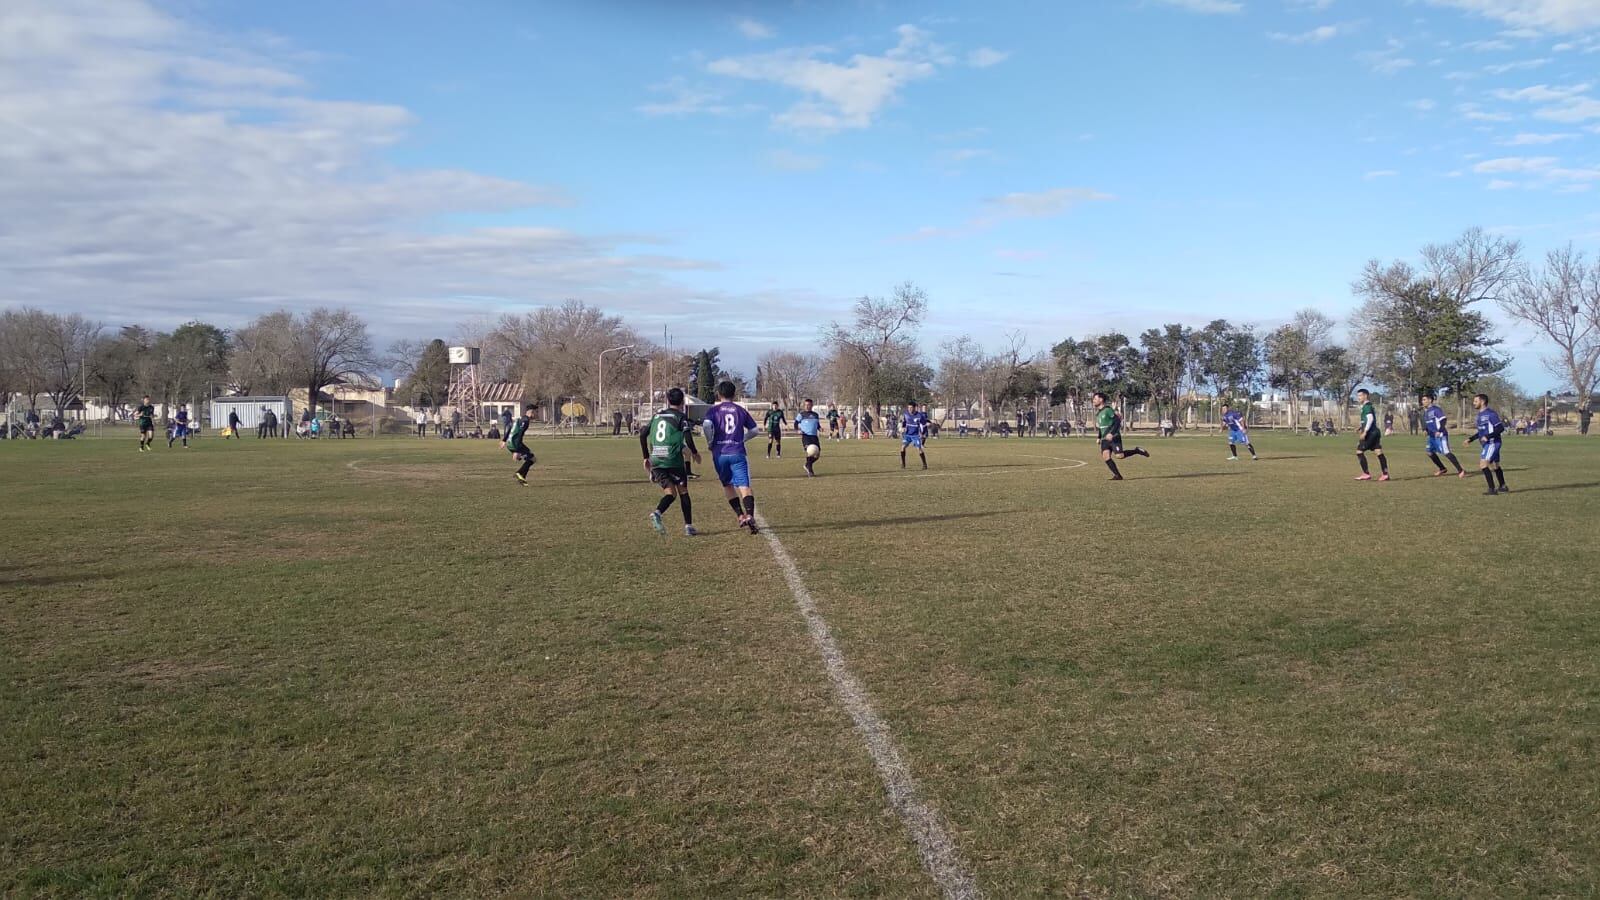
pixel 1255 459
pixel 521 479
pixel 1461 474
pixel 924 467
pixel 754 528
pixel 1116 478
pixel 1490 492
pixel 1364 476
pixel 1504 489
pixel 1233 459
pixel 1440 472
pixel 1384 477
pixel 688 531
pixel 655 522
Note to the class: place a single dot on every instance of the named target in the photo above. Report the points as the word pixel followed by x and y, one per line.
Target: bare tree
pixel 881 334
pixel 22 364
pixel 1562 300
pixel 960 379
pixel 262 361
pixel 789 376
pixel 62 345
pixel 555 351
pixel 331 346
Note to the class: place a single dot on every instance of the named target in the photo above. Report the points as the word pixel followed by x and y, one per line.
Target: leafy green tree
pixel 428 383
pixel 1167 353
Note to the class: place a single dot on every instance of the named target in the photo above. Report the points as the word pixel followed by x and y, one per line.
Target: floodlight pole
pixel 603 373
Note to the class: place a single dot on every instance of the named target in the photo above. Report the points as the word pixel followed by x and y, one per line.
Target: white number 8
pixel 661 431
pixel 727 424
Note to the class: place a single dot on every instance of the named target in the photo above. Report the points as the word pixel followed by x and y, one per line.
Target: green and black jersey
pixel 146 415
pixel 1109 424
pixel 518 429
pixel 775 419
pixel 664 439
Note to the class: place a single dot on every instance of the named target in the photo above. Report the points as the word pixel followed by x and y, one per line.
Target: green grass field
pixel 381 667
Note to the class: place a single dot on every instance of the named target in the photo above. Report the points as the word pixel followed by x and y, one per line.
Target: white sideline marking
pixel 939 854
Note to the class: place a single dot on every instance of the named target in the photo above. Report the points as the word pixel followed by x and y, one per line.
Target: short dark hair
pixel 809 400
pixel 1102 396
pixel 1363 391
pixel 531 407
pixel 1483 397
pixel 1425 395
pixel 726 390
pixel 674 396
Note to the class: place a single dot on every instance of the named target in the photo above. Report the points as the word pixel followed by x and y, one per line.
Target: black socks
pixel 688 517
pixel 750 505
pixel 1363 458
pixel 665 502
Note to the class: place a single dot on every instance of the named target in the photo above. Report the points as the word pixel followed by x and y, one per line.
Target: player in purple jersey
pixel 1490 428
pixel 728 425
pixel 1436 425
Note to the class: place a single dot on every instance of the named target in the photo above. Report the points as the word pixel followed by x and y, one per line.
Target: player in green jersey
pixel 145 414
pixel 1110 426
pixel 775 422
pixel 1369 438
pixel 519 450
pixel 663 441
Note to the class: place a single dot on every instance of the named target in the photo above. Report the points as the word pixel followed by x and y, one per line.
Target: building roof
pixel 501 392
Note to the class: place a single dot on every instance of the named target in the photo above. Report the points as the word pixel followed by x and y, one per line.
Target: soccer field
pixel 382 667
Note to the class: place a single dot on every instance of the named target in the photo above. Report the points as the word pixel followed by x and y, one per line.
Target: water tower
pixel 466 392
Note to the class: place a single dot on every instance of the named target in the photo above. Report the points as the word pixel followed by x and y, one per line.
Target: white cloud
pixel 1516 164
pixel 166 174
pixel 1499 184
pixel 1314 36
pixel 1380 173
pixel 1525 64
pixel 1018 205
pixel 1543 15
pixel 1486 46
pixel 1206 7
pixel 1387 61
pixel 984 57
pixel 1541 171
pixel 1526 139
pixel 1309 5
pixel 1472 112
pixel 679 98
pixel 755 31
pixel 1423 105
pixel 1571 103
pixel 790 161
pixel 839 95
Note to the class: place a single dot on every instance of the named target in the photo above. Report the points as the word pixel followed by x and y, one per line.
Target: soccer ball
pixel 813 451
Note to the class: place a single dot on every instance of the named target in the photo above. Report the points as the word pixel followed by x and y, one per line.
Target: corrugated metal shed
pixel 250 410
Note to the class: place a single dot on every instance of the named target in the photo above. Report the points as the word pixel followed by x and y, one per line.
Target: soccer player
pixel 1110 427
pixel 519 449
pixel 810 426
pixel 1490 428
pixel 1236 433
pixel 728 425
pixel 775 422
pixel 146 416
pixel 911 429
pixel 663 441
pixel 1369 438
pixel 1434 423
pixel 833 423
pixel 180 426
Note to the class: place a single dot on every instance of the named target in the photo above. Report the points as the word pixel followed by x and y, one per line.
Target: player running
pixel 775 422
pixel 913 430
pixel 1434 423
pixel 810 426
pixel 663 441
pixel 146 416
pixel 1490 428
pixel 1237 434
pixel 180 427
pixel 514 443
pixel 1369 438
pixel 728 425
pixel 1110 428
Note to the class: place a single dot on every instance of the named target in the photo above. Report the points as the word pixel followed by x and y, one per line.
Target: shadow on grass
pixel 55 579
pixel 898 520
pixel 1556 487
pixel 1186 475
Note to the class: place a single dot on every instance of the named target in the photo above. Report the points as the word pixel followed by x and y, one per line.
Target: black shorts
pixel 1372 441
pixel 520 451
pixel 670 478
pixel 775 432
pixel 1113 445
pixel 810 440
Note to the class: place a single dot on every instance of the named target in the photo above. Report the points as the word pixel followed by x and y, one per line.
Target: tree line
pixel 1420 325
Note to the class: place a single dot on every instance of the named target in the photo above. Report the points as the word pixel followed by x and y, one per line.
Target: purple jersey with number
pixel 729 422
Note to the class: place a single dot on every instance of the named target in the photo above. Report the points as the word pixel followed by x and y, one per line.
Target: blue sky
pixel 736 172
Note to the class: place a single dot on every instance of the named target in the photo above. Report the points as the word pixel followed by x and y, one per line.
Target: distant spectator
pixel 233 424
pixel 422 423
